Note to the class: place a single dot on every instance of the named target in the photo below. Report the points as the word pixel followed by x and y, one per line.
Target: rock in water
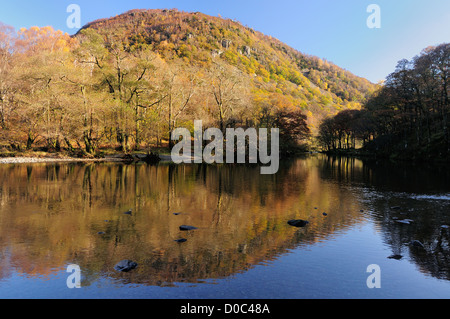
pixel 416 243
pixel 396 257
pixel 125 266
pixel 152 158
pixel 128 158
pixel 187 228
pixel 298 223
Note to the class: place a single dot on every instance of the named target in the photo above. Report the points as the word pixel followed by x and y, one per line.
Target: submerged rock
pixel 404 221
pixel 125 266
pixel 187 228
pixel 416 243
pixel 298 223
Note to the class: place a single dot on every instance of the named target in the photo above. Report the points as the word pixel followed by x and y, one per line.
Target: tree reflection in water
pixel 51 215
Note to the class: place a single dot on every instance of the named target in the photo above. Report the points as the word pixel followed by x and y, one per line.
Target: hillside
pixel 279 73
pixel 127 82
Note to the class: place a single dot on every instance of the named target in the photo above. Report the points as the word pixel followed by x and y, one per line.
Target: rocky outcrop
pixel 246 50
pixel 226 43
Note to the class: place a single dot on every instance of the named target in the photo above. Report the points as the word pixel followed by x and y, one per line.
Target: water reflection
pixel 51 216
pixel 409 201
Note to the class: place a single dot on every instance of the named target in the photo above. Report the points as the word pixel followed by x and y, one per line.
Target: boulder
pixel 128 158
pixel 187 228
pixel 216 53
pixel 404 221
pixel 396 257
pixel 226 43
pixel 125 266
pixel 247 51
pixel 298 223
pixel 151 158
pixel 416 243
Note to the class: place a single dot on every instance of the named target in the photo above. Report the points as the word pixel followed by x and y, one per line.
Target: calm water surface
pixel 51 216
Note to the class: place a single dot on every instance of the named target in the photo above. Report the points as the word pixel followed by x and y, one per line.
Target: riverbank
pixel 42 157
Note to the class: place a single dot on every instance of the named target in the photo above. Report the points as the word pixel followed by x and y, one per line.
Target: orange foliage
pixel 44 39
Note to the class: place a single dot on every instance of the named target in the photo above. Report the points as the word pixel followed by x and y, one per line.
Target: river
pixel 360 213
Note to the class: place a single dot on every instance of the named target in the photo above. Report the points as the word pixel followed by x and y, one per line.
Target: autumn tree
pixel 127 75
pixel 293 129
pixel 7 38
pixel 180 83
pixel 229 90
pixel 41 56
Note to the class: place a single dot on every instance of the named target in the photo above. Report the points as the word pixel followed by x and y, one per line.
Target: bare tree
pixel 229 90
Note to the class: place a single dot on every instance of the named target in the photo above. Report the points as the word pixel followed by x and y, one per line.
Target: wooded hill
pixel 128 81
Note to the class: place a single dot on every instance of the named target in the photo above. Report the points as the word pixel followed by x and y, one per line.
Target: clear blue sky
pixel 335 30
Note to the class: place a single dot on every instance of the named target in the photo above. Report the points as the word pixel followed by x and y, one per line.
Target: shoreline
pixel 37 160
